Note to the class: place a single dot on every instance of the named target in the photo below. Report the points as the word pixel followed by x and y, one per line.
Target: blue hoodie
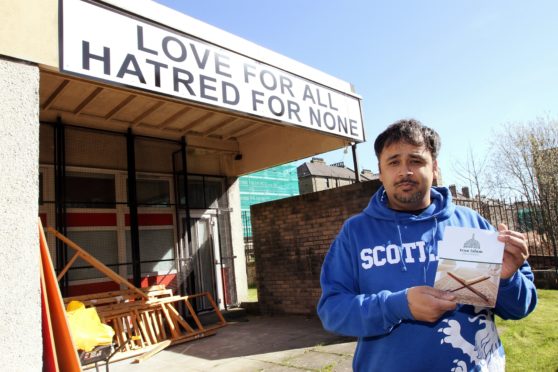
pixel 376 257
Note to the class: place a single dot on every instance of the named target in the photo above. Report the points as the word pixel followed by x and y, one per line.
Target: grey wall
pixel 20 306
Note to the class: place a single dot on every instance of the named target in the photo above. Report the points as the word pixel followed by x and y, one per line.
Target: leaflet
pixel 469 265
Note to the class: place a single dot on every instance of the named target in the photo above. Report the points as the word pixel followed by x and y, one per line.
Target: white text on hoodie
pixel 391 254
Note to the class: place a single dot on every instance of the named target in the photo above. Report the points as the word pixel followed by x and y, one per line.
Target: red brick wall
pixel 291 238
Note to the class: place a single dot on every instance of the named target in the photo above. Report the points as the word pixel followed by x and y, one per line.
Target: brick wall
pixel 291 238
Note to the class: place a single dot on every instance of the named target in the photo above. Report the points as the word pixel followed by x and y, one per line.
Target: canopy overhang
pixel 141 66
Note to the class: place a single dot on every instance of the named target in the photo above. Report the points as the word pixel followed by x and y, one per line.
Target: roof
pixel 129 80
pixel 324 170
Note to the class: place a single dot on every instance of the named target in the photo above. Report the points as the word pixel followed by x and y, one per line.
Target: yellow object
pixel 86 327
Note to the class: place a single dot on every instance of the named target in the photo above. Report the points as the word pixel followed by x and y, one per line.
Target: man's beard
pixel 409 199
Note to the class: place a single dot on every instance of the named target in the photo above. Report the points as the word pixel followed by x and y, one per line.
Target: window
pixel 153 193
pixel 100 244
pixel 203 192
pixel 155 245
pixel 86 190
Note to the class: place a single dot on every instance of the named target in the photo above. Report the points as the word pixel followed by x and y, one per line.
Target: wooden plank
pixel 118 332
pixel 161 346
pixel 137 336
pixel 194 336
pixel 121 293
pixel 170 322
pixel 217 311
pixel 97 264
pixel 67 267
pixel 160 323
pixel 193 313
pixel 174 313
pixel 142 328
pixel 149 326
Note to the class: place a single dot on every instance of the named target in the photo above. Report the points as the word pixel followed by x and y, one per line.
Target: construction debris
pixel 145 320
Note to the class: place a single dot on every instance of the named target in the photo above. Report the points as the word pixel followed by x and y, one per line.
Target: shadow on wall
pixel 291 238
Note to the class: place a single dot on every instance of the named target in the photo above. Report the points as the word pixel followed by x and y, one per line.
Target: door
pixel 202 272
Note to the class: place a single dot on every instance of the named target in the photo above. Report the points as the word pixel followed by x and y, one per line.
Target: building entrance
pixel 202 264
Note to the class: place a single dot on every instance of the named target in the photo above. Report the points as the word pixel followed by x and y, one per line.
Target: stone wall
pixel 291 238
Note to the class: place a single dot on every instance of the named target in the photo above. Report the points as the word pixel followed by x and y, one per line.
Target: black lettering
pixel 315 117
pixel 294 109
pixel 248 73
pixel 87 56
pixel 286 84
pixel 226 86
pixel 353 127
pixel 157 67
pixel 201 62
pixel 219 64
pixel 308 94
pixel 319 100
pixel 273 83
pixel 331 124
pixel 281 110
pixel 186 82
pixel 204 86
pixel 342 123
pixel 140 42
pixel 130 60
pixel 255 99
pixel 331 103
pixel 182 56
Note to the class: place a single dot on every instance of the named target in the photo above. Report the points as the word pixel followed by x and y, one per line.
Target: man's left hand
pixel 516 250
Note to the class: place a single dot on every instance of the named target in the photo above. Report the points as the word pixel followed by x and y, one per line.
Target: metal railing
pixel 539 226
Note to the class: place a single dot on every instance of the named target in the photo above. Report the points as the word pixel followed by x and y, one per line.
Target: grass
pixel 252 294
pixel 531 343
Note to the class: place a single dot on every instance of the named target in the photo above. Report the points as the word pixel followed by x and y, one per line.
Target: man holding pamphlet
pixel 418 279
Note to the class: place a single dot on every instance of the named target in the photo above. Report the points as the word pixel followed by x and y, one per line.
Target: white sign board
pixel 106 44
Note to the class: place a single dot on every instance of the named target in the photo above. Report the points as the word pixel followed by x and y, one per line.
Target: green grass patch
pixel 252 294
pixel 531 343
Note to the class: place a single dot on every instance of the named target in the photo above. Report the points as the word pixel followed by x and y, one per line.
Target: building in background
pixel 316 175
pixel 133 147
pixel 270 184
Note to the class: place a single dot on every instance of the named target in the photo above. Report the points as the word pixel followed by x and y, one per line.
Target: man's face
pixel 407 172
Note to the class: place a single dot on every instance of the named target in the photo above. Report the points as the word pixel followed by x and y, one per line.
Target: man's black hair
pixel 410 131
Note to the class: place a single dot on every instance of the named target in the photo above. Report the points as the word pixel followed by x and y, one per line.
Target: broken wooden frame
pixel 144 319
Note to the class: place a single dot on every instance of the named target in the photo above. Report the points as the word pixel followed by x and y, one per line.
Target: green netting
pixel 267 185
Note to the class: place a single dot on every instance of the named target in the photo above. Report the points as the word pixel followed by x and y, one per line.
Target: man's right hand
pixel 428 304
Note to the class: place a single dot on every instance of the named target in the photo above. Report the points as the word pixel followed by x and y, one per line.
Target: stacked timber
pixel 139 323
pixel 144 319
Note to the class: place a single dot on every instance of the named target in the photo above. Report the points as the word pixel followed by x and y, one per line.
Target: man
pixel 378 275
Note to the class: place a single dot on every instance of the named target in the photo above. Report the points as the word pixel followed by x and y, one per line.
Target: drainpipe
pixel 355 162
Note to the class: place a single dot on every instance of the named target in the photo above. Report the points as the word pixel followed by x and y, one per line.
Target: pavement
pixel 255 343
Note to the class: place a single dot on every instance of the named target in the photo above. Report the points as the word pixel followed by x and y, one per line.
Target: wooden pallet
pixel 142 318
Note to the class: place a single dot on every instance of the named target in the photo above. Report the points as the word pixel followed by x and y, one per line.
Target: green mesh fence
pixel 263 186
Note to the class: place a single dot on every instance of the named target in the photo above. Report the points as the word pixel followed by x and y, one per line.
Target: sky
pixel 466 68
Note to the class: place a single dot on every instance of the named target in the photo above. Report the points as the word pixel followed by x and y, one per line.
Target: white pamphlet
pixel 469 265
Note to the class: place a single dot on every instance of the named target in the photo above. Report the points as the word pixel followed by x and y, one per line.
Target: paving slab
pixel 314 360
pixel 255 343
pixel 343 348
pixel 344 365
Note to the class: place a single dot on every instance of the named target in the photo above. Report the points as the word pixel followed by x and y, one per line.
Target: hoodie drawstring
pixel 430 248
pixel 402 261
